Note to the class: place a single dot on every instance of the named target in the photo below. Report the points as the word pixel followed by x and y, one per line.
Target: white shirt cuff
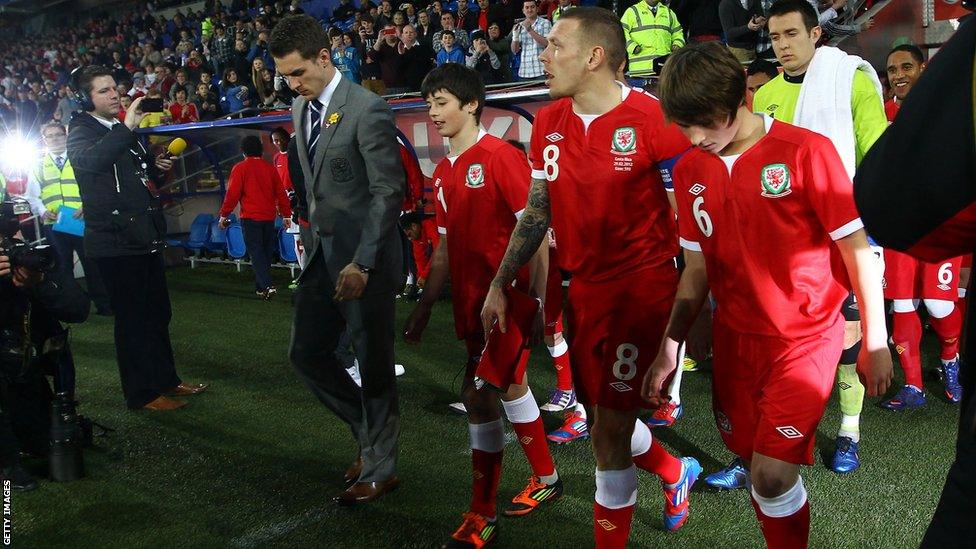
pixel 847 229
pixel 689 245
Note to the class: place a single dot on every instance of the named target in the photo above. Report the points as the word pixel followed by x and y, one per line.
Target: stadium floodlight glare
pixel 18 154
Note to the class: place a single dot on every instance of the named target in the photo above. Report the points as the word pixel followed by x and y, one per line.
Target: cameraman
pixel 32 306
pixel 124 234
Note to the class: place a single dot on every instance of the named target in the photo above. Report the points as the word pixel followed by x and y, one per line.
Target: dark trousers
pixel 137 288
pixel 953 524
pixel 372 413
pixel 260 236
pixel 66 245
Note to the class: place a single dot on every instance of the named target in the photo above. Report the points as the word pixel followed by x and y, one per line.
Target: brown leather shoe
pixel 186 389
pixel 164 403
pixel 353 472
pixel 365 492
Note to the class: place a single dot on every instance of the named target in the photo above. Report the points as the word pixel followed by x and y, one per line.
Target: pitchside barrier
pixel 196 185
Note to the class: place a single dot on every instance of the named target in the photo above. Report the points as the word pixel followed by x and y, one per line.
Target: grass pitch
pixel 255 460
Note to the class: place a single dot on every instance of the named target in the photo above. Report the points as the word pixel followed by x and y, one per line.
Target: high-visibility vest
pixel 559 11
pixel 655 33
pixel 58 187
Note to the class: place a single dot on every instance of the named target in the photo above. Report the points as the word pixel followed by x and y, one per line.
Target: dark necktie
pixel 60 162
pixel 315 108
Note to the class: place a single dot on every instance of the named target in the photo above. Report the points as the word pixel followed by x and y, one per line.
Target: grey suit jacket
pixel 355 185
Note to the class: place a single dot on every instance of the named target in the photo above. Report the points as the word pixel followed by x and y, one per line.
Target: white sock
pixel 616 489
pixel 674 389
pixel 581 409
pixel 487 437
pixel 640 441
pixel 526 410
pixel 850 426
pixel 558 349
pixel 784 504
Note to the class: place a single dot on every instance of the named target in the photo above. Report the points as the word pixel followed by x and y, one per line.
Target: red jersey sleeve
pixel 440 204
pixel 536 145
pixel 415 180
pixel 233 195
pixel 689 233
pixel 828 188
pixel 284 206
pixel 511 173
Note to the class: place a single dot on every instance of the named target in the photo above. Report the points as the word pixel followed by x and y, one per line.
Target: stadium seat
pixel 236 248
pixel 286 247
pixel 199 232
pixel 217 243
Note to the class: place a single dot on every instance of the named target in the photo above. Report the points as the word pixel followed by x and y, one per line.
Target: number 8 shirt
pixel 616 236
pixel 765 222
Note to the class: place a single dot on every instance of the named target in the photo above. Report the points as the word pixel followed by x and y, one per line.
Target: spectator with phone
pixel 741 21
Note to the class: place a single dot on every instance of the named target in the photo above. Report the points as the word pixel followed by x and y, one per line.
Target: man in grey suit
pixel 354 183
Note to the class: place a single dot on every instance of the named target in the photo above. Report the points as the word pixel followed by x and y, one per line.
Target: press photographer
pixel 35 297
pixel 125 234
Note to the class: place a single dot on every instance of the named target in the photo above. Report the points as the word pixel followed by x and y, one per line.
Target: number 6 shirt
pixel 609 205
pixel 765 221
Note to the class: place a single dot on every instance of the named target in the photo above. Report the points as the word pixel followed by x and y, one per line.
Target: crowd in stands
pixel 214 62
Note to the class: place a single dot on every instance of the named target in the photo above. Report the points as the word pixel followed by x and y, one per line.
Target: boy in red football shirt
pixel 480 191
pixel 763 209
pixel 910 281
pixel 595 154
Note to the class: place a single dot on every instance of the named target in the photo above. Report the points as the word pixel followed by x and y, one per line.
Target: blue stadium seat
pixel 236 249
pixel 286 247
pixel 199 232
pixel 217 243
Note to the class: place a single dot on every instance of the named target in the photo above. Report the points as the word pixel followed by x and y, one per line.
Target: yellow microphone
pixel 176 147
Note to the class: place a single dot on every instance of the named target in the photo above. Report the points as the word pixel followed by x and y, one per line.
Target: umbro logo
pixel 478 475
pixel 526 440
pixel 621 386
pixel 606 525
pixel 553 137
pixel 844 385
pixel 696 189
pixel 789 431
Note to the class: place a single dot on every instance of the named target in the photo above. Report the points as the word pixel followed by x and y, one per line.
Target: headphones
pixel 79 95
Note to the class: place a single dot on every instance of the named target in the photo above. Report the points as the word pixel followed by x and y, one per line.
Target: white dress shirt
pixel 325 98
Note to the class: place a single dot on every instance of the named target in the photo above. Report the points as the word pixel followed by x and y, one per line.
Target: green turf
pixel 255 461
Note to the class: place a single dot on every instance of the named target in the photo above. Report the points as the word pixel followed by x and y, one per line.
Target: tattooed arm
pixel 528 236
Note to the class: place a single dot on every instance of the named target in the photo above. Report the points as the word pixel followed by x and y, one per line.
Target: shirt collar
pixel 326 96
pixel 107 123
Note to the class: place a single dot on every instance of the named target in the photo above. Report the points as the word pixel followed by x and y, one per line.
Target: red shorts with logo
pixel 909 278
pixel 617 327
pixel 769 394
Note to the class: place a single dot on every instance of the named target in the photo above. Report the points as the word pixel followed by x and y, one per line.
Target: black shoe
pixel 19 478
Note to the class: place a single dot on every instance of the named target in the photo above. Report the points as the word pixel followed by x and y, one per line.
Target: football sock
pixel 560 360
pixel 907 333
pixel 487 446
pixel 674 389
pixel 785 519
pixel 613 508
pixel 946 321
pixel 851 401
pixel 649 455
pixel 523 412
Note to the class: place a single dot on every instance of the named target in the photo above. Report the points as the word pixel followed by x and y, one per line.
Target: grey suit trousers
pixel 372 412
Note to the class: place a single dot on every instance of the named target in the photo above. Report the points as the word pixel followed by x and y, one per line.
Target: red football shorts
pixel 769 394
pixel 617 327
pixel 909 278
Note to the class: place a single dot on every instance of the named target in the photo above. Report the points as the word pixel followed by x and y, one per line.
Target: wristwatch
pixel 365 270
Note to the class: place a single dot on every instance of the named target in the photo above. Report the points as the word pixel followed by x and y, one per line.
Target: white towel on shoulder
pixel 824 105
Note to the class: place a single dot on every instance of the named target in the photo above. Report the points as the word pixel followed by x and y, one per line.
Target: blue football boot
pixel 845 459
pixel 908 396
pixel 949 373
pixel 732 477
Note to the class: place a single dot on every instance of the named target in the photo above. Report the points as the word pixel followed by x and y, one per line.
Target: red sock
pixel 611 527
pixel 948 329
pixel 532 437
pixel 659 461
pixel 487 468
pixel 564 374
pixel 907 333
pixel 789 532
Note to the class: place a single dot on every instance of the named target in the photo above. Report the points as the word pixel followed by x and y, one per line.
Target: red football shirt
pixel 609 206
pixel 891 109
pixel 479 196
pixel 766 230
